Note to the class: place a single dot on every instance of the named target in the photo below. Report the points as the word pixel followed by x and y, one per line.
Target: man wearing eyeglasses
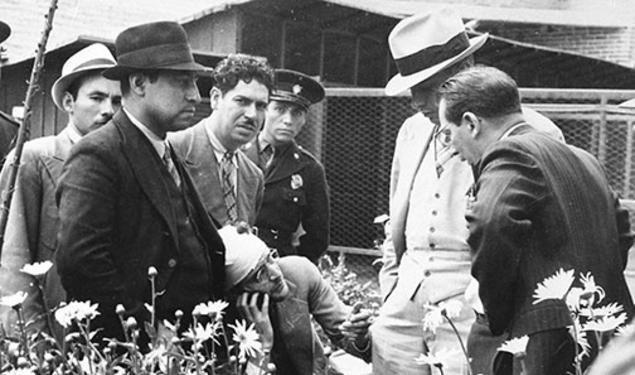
pixel 280 295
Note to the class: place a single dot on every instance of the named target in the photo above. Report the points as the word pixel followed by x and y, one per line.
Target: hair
pixel 73 87
pixel 243 67
pixel 153 76
pixel 484 91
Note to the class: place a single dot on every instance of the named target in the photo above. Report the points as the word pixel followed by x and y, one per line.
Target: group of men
pixel 114 194
pixel 486 200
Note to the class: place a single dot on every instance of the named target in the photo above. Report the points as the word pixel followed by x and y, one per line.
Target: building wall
pixel 612 44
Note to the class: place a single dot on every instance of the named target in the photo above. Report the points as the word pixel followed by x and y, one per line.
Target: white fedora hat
pixel 93 58
pixel 424 44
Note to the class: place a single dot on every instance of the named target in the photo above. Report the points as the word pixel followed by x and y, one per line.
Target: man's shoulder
pixel 250 166
pixel 186 135
pixel 415 126
pixel 298 269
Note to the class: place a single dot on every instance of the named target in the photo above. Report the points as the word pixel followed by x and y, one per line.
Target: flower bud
pixel 22 362
pixel 178 314
pixel 131 322
pixel 152 271
pixel 271 368
pixel 120 310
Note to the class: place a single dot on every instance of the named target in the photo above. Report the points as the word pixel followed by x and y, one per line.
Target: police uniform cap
pixel 295 87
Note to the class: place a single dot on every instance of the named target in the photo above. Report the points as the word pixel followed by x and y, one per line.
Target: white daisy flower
pixel 515 346
pixel 554 287
pixel 13 300
pixel 38 268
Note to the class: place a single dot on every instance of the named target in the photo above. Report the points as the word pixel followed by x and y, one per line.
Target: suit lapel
pixel 398 224
pixel 203 166
pixel 246 185
pixel 284 165
pixel 146 166
pixel 61 149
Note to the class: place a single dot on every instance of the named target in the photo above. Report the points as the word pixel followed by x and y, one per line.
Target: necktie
pixel 228 173
pixel 267 155
pixel 169 164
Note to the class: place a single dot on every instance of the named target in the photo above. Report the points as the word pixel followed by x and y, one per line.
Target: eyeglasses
pixel 263 271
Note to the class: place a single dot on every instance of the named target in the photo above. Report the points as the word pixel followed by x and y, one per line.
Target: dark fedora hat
pixel 156 45
pixel 295 87
pixel 5 31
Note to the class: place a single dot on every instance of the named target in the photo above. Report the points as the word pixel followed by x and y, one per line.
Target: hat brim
pixel 5 31
pixel 121 71
pixel 399 83
pixel 61 84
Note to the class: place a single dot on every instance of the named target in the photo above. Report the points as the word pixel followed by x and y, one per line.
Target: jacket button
pixel 295 199
pixel 172 263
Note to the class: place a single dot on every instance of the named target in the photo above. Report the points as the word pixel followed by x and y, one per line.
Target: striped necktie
pixel 169 164
pixel 267 155
pixel 229 193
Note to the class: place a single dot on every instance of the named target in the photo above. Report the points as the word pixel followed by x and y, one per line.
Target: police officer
pixel 296 194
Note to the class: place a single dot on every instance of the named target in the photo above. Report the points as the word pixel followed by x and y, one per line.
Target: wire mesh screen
pixel 357 129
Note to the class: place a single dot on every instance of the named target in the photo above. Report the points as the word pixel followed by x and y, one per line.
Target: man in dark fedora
pixel 426 256
pixel 296 193
pixel 127 204
pixel 89 100
pixel 8 125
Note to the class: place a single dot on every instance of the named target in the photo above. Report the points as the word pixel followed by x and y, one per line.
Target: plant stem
pixel 154 297
pixel 458 336
pixel 22 328
pixel 47 310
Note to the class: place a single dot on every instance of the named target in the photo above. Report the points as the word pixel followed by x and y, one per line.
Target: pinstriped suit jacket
pixel 542 205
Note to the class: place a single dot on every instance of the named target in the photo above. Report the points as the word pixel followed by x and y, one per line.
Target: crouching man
pixel 280 295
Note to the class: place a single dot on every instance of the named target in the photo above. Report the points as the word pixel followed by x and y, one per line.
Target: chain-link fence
pixel 356 144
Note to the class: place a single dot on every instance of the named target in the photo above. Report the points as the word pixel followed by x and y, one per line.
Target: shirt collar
pixel 509 131
pixel 73 133
pixel 157 143
pixel 217 146
pixel 263 143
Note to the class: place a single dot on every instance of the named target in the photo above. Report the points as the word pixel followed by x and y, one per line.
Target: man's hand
pixel 356 326
pixel 258 315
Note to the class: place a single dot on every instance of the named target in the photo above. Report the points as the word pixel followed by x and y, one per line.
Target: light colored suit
pixel 31 233
pixel 194 148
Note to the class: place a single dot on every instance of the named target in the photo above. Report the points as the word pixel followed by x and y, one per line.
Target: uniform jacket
pixel 31 233
pixel 8 131
pixel 541 206
pixel 310 296
pixel 296 193
pixel 116 221
pixel 195 150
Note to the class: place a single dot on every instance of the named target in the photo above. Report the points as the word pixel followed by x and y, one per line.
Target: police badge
pixel 296 181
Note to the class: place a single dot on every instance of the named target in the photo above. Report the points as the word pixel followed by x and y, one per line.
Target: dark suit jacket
pixel 540 206
pixel 295 193
pixel 193 147
pixel 116 221
pixel 310 296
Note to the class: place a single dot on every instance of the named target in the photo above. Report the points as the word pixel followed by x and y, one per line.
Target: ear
pixel 472 122
pixel 68 102
pixel 215 96
pixel 137 83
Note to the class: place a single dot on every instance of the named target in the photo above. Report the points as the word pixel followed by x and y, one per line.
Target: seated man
pixel 256 276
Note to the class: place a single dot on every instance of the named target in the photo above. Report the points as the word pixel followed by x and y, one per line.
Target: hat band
pixel 94 62
pixel 157 56
pixel 288 97
pixel 432 56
